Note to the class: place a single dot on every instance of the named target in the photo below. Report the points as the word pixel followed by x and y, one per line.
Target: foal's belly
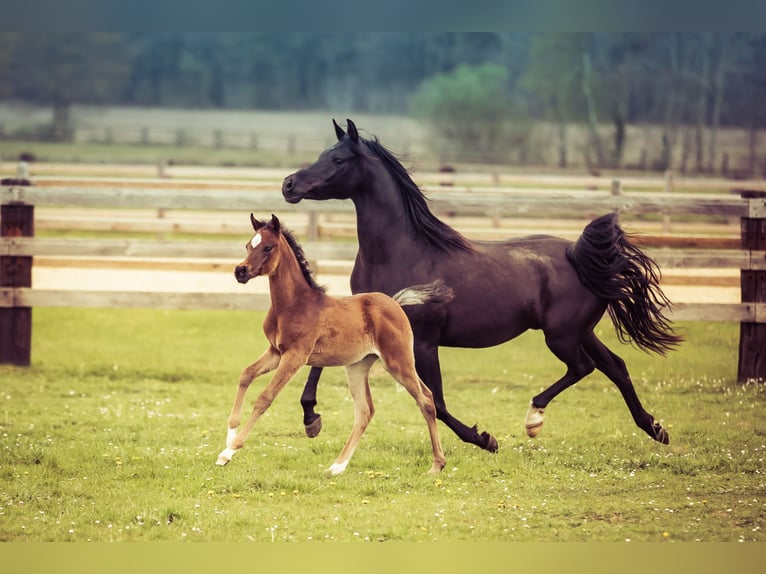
pixel 327 358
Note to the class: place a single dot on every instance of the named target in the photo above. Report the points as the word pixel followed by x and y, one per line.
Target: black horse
pixel 501 288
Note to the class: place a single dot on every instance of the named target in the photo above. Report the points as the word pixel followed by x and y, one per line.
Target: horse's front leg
pixel 288 365
pixel 312 421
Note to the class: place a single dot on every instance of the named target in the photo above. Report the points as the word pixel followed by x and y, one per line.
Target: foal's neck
pixel 287 284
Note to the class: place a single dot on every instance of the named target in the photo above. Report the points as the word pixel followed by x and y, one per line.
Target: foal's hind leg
pixel 614 368
pixel 358 383
pixel 402 368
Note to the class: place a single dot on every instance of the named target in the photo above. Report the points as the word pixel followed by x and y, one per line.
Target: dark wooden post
pixel 752 335
pixel 16 220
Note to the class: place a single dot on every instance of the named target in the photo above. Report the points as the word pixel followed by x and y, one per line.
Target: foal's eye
pixel 268 248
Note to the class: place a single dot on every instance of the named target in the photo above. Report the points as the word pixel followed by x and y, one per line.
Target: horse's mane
pixel 302 261
pixel 425 223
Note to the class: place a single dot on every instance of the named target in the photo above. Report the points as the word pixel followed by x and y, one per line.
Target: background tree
pixel 58 69
pixel 469 109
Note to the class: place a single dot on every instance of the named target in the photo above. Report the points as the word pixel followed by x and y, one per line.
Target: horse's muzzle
pixel 289 192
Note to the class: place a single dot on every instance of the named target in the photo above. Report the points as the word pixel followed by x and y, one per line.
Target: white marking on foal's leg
pixel 230 434
pixel 225 456
pixel 534 422
pixel 337 468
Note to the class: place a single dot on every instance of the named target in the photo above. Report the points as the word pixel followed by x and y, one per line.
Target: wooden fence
pixel 18 246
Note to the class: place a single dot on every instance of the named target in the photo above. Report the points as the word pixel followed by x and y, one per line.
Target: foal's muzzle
pixel 241 273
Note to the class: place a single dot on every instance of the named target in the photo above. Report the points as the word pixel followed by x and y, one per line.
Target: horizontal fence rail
pixel 489 201
pixel 501 201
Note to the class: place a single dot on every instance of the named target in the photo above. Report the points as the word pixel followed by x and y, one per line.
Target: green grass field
pixel 112 435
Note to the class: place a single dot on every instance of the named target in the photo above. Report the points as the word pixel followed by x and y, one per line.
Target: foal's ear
pixel 255 223
pixel 339 133
pixel 352 133
pixel 274 223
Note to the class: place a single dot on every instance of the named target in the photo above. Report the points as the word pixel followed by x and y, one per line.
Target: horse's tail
pixel 618 272
pixel 435 292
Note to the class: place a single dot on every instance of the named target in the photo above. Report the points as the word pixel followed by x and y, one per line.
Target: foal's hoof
pixel 660 434
pixel 225 456
pixel 437 467
pixel 490 443
pixel 314 427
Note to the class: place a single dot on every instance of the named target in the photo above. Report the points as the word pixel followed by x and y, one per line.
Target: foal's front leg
pixel 287 365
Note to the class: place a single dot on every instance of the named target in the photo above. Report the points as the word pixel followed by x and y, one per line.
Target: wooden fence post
pixel 752 336
pixel 16 220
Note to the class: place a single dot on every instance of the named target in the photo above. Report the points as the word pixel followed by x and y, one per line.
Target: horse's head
pixel 262 254
pixel 334 175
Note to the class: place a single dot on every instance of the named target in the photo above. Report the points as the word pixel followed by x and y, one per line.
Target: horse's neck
pixel 383 227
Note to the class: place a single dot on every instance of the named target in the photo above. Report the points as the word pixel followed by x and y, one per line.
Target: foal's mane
pixel 308 274
pixel 425 223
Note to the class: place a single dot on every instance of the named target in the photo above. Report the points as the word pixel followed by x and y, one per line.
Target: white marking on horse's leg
pixel 225 456
pixel 230 434
pixel 534 421
pixel 337 468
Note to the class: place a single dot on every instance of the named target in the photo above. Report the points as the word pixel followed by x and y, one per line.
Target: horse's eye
pixel 268 248
pixel 338 161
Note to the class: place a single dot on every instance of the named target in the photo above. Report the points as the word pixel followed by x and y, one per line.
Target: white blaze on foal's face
pixel 255 241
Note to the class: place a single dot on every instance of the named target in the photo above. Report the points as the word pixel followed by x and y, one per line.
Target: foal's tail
pixel 435 292
pixel 620 273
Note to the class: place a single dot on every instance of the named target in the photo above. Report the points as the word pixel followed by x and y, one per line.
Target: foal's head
pixel 262 253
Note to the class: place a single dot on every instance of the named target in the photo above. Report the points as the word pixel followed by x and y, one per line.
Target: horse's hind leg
pixel 311 421
pixel 579 365
pixel 614 368
pixel 358 384
pixel 427 364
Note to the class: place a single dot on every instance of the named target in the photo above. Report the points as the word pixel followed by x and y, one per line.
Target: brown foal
pixel 304 326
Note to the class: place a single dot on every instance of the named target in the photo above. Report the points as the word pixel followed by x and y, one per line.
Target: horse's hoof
pixel 314 427
pixel 534 421
pixel 490 443
pixel 222 460
pixel 660 434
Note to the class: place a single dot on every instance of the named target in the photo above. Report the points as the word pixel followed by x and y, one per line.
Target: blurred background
pixel 692 102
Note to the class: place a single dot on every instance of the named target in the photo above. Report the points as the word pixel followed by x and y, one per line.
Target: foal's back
pixel 351 328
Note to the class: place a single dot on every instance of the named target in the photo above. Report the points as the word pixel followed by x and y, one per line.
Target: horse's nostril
pixel 288 184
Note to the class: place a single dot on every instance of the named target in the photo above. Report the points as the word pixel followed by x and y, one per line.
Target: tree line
pixel 473 89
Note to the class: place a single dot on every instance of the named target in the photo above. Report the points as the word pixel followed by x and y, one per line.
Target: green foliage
pixel 112 434
pixel 470 108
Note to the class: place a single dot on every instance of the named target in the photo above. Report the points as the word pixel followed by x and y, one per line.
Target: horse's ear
pixel 274 224
pixel 255 223
pixel 338 130
pixel 352 133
